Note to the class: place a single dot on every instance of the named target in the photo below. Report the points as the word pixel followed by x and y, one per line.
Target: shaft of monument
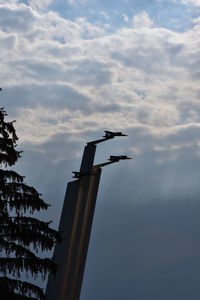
pixel 83 237
pixel 75 227
pixel 55 282
pixel 88 158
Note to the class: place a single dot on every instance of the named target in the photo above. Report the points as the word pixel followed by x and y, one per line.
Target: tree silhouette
pixel 21 236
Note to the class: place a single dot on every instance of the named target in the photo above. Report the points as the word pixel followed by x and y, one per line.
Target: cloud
pixel 38 4
pixel 142 20
pixel 144 75
pixel 126 19
pixel 76 2
pixel 194 2
pixel 105 15
pixel 16 18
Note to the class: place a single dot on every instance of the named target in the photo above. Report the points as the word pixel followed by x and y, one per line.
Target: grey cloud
pixel 85 72
pixel 50 95
pixel 150 60
pixel 63 50
pixel 16 19
pixel 182 56
pixel 179 135
pixel 43 69
pixel 91 72
pixel 186 135
pixel 196 75
pixel 135 58
pixel 114 107
pixel 173 48
pixel 40 70
pixel 153 55
pixel 7 43
pixel 191 62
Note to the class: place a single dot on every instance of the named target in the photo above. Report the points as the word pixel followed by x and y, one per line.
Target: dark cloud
pixel 145 241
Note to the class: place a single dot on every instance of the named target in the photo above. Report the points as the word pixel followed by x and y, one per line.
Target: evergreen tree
pixel 21 236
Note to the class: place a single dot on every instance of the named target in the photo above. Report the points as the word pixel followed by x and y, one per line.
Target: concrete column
pixel 75 227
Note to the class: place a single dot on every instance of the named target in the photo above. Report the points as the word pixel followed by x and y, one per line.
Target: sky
pixel 72 69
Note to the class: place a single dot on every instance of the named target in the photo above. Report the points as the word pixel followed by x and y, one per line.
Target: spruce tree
pixel 21 235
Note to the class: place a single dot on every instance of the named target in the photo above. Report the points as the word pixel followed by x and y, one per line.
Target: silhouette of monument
pixel 75 224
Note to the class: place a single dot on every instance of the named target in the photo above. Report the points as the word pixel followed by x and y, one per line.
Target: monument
pixel 75 224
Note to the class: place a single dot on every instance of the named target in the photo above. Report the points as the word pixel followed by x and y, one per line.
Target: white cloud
pixel 126 19
pixel 105 15
pixel 194 2
pixel 71 2
pixel 142 20
pixel 38 4
pixel 76 2
pixel 139 76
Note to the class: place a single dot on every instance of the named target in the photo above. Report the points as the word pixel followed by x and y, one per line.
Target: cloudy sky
pixel 71 69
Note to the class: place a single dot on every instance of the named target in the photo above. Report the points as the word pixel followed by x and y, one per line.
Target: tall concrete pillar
pixel 75 227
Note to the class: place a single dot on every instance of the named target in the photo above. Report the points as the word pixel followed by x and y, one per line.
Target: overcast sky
pixel 72 69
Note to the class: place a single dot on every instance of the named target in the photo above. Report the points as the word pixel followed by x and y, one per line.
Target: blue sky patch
pixel 167 14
